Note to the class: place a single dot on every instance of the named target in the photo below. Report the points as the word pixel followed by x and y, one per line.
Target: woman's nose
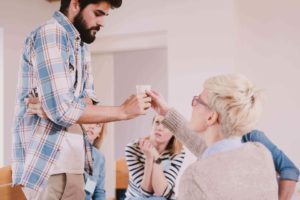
pixel 160 127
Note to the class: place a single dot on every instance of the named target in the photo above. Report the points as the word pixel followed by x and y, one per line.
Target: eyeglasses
pixel 197 100
pixel 157 123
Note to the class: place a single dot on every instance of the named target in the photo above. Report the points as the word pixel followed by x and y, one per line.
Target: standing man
pixel 55 66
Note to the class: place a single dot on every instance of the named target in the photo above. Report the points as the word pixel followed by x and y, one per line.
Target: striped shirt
pixel 52 62
pixel 171 165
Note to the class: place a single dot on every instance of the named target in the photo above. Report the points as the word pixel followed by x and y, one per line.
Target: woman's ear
pixel 213 118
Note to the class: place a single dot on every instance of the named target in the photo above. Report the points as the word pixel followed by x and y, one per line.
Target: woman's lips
pixel 158 134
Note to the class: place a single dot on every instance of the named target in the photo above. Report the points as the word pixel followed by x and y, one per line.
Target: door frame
pixel 129 42
pixel 1 97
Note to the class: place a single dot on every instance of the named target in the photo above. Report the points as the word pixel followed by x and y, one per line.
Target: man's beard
pixel 85 32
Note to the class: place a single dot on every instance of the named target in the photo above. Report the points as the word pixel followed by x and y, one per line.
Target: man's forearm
pixel 67 115
pixel 286 189
pixel 101 114
pixel 131 108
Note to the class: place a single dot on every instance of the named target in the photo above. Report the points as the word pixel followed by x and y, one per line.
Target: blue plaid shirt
pixel 53 60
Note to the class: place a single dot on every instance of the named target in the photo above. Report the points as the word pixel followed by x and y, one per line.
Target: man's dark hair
pixel 83 3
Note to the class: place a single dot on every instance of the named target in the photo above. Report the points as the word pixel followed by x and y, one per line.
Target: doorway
pixel 119 63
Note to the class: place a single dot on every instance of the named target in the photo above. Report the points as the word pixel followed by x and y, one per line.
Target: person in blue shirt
pixel 94 185
pixel 286 169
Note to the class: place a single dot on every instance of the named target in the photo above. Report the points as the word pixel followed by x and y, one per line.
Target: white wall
pixel 1 100
pixel 103 71
pixel 201 42
pixel 269 49
pixel 17 19
pixel 137 16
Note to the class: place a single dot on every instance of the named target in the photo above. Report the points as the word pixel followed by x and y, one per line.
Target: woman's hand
pixel 34 106
pixel 148 149
pixel 158 103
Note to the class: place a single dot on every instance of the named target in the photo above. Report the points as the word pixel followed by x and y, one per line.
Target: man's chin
pixel 89 40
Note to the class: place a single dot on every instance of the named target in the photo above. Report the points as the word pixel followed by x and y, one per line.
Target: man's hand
pixel 135 105
pixel 158 103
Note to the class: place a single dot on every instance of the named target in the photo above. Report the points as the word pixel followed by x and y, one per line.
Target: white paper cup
pixel 141 89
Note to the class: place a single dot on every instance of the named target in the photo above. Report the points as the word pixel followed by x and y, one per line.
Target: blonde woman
pixel 94 187
pixel 154 163
pixel 227 108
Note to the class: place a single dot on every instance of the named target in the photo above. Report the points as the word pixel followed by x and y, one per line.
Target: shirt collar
pixel 223 145
pixel 65 22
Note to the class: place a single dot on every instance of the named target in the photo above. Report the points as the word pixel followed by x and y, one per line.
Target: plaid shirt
pixel 52 62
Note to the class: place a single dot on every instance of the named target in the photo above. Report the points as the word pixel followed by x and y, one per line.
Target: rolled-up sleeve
pixel 53 78
pixel 283 165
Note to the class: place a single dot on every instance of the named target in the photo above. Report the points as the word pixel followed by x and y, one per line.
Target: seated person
pixel 222 114
pixel 94 186
pixel 153 164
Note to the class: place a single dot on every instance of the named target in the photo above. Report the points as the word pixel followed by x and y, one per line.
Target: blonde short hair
pixel 237 102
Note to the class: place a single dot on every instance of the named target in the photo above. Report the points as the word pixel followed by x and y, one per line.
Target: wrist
pixel 149 159
pixel 157 160
pixel 122 115
pixel 164 111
